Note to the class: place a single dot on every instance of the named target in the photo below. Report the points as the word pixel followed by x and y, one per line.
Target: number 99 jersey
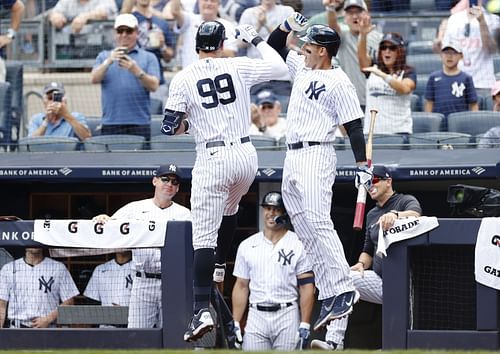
pixel 215 94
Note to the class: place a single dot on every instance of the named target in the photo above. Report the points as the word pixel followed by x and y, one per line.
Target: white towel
pixel 404 229
pixel 487 262
pixel 88 234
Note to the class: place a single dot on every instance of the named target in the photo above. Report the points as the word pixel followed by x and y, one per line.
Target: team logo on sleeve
pixel 286 258
pixel 314 89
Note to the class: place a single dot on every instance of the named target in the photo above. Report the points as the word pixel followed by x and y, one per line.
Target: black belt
pixel 17 324
pixel 301 144
pixel 211 144
pixel 148 275
pixel 272 308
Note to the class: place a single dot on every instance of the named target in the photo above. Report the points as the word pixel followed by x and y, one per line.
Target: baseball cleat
pixel 336 307
pixel 219 272
pixel 200 324
pixel 328 345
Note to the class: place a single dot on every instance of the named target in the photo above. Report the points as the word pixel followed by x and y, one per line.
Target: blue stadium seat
pixel 94 124
pixel 114 142
pixel 47 144
pixel 416 103
pixel 426 122
pixel 175 142
pixel 156 120
pixel 389 141
pixel 473 123
pixel 425 64
pixel 436 140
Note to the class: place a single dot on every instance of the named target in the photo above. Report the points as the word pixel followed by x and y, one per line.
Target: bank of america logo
pixel 478 170
pixel 65 170
pixel 268 172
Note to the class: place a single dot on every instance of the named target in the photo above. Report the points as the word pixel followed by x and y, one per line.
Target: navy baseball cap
pixel 394 38
pixel 266 96
pixel 168 169
pixel 381 171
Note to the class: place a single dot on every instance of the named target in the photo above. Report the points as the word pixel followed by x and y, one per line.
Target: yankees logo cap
pixel 266 96
pixel 381 171
pixel 394 38
pixel 168 169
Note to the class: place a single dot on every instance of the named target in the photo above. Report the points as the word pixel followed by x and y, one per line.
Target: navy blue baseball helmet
pixel 323 36
pixel 210 36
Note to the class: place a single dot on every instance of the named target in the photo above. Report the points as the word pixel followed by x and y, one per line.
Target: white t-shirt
pixel 276 131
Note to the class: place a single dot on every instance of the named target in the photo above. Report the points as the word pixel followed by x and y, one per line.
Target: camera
pixel 123 50
pixel 57 96
pixel 475 201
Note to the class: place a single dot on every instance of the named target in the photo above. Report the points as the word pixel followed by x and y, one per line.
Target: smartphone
pixel 123 50
pixel 57 96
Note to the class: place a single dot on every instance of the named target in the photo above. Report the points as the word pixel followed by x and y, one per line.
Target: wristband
pixel 395 212
pixel 388 79
pixel 257 40
pixel 305 325
pixel 185 122
pixel 330 8
pixel 11 33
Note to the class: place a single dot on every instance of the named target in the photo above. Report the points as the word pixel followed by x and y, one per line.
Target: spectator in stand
pixel 474 28
pixel 267 121
pixel 79 12
pixel 491 139
pixel 356 14
pixel 16 9
pixel 187 24
pixel 264 18
pixel 390 5
pixel 156 37
pixel 390 83
pixel 495 96
pixel 336 6
pixel 449 89
pixel 57 120
pixel 33 287
pixel 127 75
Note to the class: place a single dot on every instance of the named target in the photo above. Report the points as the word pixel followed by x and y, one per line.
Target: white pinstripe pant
pixel 221 177
pixel 308 177
pixel 370 289
pixel 145 308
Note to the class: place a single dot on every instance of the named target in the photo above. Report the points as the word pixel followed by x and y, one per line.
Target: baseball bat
pixel 359 214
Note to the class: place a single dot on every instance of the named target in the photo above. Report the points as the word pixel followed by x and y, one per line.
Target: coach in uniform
pixel 367 272
pixel 273 274
pixel 322 99
pixel 145 309
pixel 214 93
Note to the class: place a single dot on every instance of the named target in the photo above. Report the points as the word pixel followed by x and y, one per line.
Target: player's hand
pixel 246 33
pixel 303 335
pixel 295 22
pixel 363 177
pixel 238 337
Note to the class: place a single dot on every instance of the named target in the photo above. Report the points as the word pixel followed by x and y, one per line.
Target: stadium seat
pixel 416 103
pixel 47 144
pixel 425 63
pixel 485 103
pixel 156 120
pixel 156 106
pixel 94 124
pixel 261 141
pixel 473 123
pixel 389 141
pixel 426 122
pixel 440 140
pixel 5 113
pixel 114 142
pixel 175 142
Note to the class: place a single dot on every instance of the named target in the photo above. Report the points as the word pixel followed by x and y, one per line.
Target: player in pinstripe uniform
pixel 322 99
pixel 367 273
pixel 145 308
pixel 273 275
pixel 214 93
pixel 33 287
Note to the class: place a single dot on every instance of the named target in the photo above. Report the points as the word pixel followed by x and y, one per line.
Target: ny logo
pixel 287 258
pixel 128 281
pixel 314 89
pixel 457 90
pixel 47 285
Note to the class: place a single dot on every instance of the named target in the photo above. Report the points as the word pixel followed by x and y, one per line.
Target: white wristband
pixel 305 325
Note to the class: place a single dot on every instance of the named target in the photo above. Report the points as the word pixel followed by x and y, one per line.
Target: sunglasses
pixel 377 179
pixel 390 47
pixel 173 180
pixel 126 30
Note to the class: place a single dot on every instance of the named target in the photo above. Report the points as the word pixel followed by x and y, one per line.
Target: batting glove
pixel 295 22
pixel 247 34
pixel 303 335
pixel 364 177
pixel 237 333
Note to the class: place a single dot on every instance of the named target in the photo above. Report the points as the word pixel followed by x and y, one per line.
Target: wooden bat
pixel 359 214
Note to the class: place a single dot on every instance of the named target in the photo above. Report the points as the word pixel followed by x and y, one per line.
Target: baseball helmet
pixel 273 199
pixel 210 36
pixel 323 36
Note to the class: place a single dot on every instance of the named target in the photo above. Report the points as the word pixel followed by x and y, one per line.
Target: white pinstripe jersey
pixel 320 101
pixel 35 291
pixel 271 269
pixel 111 283
pixel 215 93
pixel 148 259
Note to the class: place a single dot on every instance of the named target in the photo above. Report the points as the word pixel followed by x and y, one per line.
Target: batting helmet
pixel 273 199
pixel 210 36
pixel 323 36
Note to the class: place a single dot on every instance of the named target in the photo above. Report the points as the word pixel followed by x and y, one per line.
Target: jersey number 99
pixel 212 88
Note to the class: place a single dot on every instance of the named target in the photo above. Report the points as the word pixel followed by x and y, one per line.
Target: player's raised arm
pixel 277 39
pixel 247 34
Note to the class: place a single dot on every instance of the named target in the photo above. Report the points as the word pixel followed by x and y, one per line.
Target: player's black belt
pixel 17 324
pixel 271 308
pixel 211 144
pixel 148 275
pixel 301 144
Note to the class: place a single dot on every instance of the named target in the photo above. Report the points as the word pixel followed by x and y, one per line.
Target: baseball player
pixel 145 308
pixel 390 206
pixel 273 275
pixel 111 282
pixel 33 287
pixel 214 93
pixel 322 99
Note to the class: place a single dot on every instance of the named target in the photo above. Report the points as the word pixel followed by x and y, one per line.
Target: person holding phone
pixel 57 119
